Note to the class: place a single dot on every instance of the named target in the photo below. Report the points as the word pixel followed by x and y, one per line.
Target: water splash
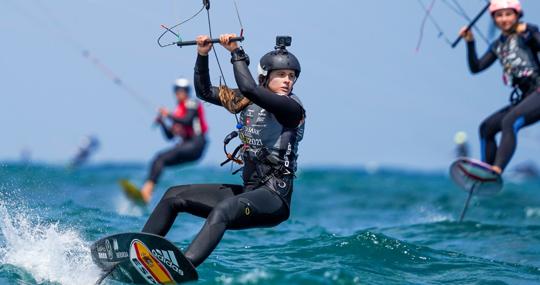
pixel 253 277
pixel 532 212
pixel 45 251
pixel 125 207
pixel 428 214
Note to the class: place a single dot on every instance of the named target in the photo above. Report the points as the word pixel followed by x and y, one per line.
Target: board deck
pixel 142 258
pixel 132 192
pixel 473 174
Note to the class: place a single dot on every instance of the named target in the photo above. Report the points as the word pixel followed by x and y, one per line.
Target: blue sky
pixel 370 98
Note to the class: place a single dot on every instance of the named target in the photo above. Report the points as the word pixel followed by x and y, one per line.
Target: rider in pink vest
pixel 186 124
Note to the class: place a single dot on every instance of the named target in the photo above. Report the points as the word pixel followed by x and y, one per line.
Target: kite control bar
pixel 214 41
pixel 473 22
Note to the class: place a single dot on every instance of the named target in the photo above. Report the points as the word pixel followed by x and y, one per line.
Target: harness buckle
pixel 516 96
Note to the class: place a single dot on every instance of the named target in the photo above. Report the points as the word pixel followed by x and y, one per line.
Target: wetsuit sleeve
pixel 475 64
pixel 534 37
pixel 187 120
pixel 288 112
pixel 203 87
pixel 166 131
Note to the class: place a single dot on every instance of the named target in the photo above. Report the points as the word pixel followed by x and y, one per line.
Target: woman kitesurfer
pixel 271 125
pixel 517 50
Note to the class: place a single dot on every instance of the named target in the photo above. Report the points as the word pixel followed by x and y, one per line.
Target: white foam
pixel 252 277
pixel 125 207
pixel 43 250
pixel 426 214
pixel 532 212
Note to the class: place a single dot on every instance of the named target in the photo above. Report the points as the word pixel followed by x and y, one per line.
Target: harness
pixel 524 87
pixel 275 166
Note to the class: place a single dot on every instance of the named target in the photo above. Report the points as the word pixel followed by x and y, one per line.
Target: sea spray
pixel 45 251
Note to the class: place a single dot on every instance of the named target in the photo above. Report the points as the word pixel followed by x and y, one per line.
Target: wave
pixel 38 252
pixel 366 257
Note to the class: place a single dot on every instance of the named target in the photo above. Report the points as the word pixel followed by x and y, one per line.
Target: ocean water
pixel 347 226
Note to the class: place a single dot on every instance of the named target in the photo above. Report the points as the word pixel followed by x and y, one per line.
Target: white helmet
pixel 497 5
pixel 460 137
pixel 181 83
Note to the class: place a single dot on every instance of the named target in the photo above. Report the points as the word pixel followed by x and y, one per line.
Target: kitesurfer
pixel 187 123
pixel 517 50
pixel 271 125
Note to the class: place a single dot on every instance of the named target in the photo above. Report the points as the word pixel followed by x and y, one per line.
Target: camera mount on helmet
pixel 282 42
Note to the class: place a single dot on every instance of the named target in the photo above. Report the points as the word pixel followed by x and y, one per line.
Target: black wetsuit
pixel 273 126
pixel 192 146
pixel 518 53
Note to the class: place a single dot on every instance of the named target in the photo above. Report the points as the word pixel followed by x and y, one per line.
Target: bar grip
pixel 214 41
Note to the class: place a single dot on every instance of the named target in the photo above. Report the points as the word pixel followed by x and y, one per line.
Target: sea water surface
pixel 347 226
